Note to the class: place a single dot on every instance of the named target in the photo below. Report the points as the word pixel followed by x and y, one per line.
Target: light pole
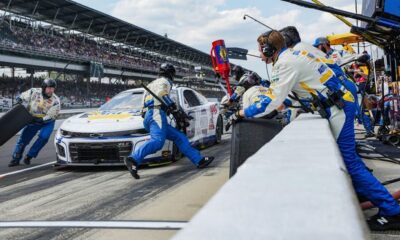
pixel 265 25
pixel 358 44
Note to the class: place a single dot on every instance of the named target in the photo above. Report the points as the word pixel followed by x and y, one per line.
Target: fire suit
pixel 332 62
pixel 255 101
pixel 347 84
pixel 38 106
pixel 155 122
pixel 362 114
pixel 306 75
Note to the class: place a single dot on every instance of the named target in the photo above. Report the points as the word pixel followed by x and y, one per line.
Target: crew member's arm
pixel 162 91
pixel 348 58
pixel 275 95
pixel 25 97
pixel 53 111
pixel 237 94
pixel 361 72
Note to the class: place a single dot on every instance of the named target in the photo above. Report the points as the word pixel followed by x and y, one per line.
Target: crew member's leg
pixel 183 144
pixel 24 139
pixel 44 136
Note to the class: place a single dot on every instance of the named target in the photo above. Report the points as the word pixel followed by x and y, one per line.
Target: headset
pixel 267 49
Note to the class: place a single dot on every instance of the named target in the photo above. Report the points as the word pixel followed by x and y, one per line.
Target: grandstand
pixel 67 37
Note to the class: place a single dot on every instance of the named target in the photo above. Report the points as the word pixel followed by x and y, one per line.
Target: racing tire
pixel 57 165
pixel 248 136
pixel 219 130
pixel 13 121
pixel 176 154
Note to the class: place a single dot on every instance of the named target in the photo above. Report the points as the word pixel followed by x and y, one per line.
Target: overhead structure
pixel 380 26
pixel 378 30
pixel 344 38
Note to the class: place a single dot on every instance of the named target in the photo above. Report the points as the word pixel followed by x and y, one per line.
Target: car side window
pixel 203 100
pixel 191 98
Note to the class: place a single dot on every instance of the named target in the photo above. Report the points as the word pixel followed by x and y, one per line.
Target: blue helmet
pixel 320 41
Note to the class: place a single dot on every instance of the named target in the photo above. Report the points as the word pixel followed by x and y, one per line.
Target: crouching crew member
pixel 155 122
pixel 44 106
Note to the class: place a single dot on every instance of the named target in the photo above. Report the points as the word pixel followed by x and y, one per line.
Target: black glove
pixel 171 108
pixel 228 114
pixel 143 113
pixel 37 120
pixel 233 119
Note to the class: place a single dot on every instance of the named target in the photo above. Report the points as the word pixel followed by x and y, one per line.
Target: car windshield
pixel 124 101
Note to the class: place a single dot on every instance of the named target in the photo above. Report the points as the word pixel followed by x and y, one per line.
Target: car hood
pixel 103 122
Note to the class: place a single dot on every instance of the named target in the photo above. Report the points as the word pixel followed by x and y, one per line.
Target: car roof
pixel 142 89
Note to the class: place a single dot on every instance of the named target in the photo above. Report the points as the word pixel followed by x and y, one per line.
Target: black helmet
pixel 48 82
pixel 291 35
pixel 363 58
pixel 249 79
pixel 237 72
pixel 167 70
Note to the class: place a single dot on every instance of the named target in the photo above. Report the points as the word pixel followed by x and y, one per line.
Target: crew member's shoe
pixel 132 167
pixel 27 160
pixel 13 163
pixel 381 223
pixel 370 134
pixel 204 162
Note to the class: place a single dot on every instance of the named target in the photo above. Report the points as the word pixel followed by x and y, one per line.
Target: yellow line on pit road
pixel 26 169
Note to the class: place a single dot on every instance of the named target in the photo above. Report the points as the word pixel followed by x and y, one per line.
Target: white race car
pixel 108 135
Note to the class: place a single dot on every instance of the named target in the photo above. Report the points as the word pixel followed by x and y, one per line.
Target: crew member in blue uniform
pixel 155 122
pixel 302 73
pixel 44 105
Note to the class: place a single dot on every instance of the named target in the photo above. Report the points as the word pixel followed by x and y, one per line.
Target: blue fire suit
pixel 38 106
pixel 155 122
pixel 362 114
pixel 45 129
pixel 332 60
pixel 306 75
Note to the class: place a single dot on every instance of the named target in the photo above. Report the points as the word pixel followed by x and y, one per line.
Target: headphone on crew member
pixel 267 48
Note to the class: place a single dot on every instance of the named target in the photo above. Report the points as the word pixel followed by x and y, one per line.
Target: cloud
pixel 197 23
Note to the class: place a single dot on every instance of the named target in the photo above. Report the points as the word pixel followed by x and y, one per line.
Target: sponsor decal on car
pixel 109 115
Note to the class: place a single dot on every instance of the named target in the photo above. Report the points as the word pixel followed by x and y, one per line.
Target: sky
pixel 197 23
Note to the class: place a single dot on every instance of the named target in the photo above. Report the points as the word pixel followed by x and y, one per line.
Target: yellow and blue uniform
pixel 332 60
pixel 301 73
pixel 255 101
pixel 155 122
pixel 38 106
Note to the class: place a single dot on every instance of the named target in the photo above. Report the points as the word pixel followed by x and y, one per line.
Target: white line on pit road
pixel 26 169
pixel 156 225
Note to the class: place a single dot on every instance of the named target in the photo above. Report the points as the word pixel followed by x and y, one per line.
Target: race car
pixel 110 134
